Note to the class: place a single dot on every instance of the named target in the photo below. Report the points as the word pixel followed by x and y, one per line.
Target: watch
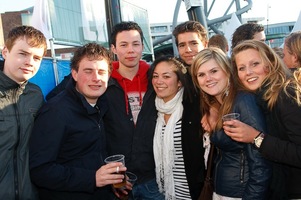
pixel 258 140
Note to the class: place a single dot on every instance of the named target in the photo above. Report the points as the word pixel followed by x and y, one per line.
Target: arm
pixel 258 168
pixel 52 168
pixel 286 151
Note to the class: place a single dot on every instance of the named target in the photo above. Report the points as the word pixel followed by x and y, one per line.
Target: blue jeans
pixel 147 191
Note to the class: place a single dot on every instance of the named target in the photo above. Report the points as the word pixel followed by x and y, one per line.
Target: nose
pixel 208 77
pixel 96 77
pixel 187 48
pixel 249 70
pixel 130 48
pixel 30 60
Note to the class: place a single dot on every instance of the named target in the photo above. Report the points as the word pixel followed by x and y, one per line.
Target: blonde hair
pixel 230 91
pixel 278 77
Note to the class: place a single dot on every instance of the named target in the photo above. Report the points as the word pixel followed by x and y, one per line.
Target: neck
pixel 128 72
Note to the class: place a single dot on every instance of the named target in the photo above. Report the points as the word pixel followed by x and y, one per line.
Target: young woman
pixel 240 172
pixel 259 69
pixel 177 146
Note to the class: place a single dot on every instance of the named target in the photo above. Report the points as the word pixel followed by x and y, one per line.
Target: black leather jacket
pixel 240 171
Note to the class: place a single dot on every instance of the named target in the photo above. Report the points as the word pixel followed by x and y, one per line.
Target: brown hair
pixel 92 51
pixel 34 37
pixel 191 26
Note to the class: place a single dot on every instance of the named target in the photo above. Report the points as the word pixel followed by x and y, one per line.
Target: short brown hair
pixel 92 51
pixel 190 26
pixel 34 37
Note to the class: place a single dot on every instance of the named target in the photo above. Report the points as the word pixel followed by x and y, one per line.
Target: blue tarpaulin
pixel 45 77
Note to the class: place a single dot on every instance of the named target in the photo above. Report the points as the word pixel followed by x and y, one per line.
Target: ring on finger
pixel 117 169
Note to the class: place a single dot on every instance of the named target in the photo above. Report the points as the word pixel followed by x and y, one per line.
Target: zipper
pixel 242 164
pixel 15 158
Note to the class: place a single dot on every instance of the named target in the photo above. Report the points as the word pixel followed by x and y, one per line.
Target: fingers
pixel 110 174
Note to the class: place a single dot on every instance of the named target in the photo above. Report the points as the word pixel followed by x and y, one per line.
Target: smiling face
pixel 189 45
pixel 128 48
pixel 212 79
pixel 91 78
pixel 22 62
pixel 165 81
pixel 250 68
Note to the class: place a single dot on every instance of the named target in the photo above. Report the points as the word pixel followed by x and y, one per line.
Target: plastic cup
pixel 117 158
pixel 231 116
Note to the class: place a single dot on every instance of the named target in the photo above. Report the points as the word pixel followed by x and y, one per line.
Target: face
pixel 91 78
pixel 290 60
pixel 128 48
pixel 251 68
pixel 260 36
pixel 165 81
pixel 22 62
pixel 189 45
pixel 212 79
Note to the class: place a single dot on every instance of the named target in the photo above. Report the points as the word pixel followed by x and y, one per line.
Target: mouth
pixel 250 80
pixel 210 85
pixel 95 87
pixel 26 71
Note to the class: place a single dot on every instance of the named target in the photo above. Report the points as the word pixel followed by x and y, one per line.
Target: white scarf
pixel 164 143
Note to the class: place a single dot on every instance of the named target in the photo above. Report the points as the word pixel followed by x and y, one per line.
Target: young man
pixel 248 31
pixel 131 118
pixel 191 38
pixel 68 147
pixel 19 102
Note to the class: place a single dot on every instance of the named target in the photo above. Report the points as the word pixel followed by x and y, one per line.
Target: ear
pixel 74 74
pixel 113 49
pixel 295 59
pixel 4 52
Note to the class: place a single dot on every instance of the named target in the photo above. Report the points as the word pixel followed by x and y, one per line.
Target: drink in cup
pixel 130 177
pixel 117 158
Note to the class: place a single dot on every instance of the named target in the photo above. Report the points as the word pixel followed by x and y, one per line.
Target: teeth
pixel 211 84
pixel 251 79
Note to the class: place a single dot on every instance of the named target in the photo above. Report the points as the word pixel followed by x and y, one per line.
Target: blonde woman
pixel 259 69
pixel 240 172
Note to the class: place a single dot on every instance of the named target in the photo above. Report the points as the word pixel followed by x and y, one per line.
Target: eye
pixel 155 76
pixel 242 68
pixel 255 64
pixel 214 71
pixel 200 75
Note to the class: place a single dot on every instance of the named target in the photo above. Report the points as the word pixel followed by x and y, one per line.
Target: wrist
pixel 258 139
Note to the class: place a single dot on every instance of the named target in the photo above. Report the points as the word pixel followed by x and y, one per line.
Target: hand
pixel 121 193
pixel 209 121
pixel 107 174
pixel 240 131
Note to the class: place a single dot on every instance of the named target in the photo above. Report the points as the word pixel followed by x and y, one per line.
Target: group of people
pixel 156 116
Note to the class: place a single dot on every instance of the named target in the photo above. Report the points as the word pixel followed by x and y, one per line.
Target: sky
pixel 275 11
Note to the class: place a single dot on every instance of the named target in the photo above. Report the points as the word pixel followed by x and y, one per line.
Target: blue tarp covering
pixel 45 78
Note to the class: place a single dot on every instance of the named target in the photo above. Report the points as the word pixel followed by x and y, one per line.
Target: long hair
pixel 278 78
pixel 230 91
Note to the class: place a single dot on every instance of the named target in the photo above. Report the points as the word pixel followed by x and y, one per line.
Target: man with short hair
pixel 131 119
pixel 191 37
pixel 248 31
pixel 68 146
pixel 19 103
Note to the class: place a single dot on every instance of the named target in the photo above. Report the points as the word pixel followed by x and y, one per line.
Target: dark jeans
pixel 147 191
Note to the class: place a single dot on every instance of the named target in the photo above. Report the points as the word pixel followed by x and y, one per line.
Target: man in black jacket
pixel 131 117
pixel 68 147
